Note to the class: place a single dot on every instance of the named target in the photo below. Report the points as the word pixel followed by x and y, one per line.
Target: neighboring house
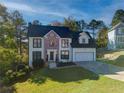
pixel 59 44
pixel 116 37
pixel 24 39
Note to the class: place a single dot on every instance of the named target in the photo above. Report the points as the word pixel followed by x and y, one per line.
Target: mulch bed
pixel 62 64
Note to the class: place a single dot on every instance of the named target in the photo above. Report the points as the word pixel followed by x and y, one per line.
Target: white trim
pixel 48 53
pixel 83 35
pixel 114 27
pixel 69 49
pixel 84 50
pixel 45 36
pixel 31 49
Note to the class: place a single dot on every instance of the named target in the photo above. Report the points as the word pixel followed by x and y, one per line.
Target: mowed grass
pixel 68 80
pixel 113 57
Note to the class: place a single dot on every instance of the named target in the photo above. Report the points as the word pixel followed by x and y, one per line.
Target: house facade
pixel 59 44
pixel 116 37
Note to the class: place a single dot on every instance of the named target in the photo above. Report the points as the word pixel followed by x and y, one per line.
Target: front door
pixel 51 55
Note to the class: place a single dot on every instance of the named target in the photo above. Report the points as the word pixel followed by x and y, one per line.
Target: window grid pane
pixel 37 42
pixel 64 54
pixel 36 55
pixel 65 43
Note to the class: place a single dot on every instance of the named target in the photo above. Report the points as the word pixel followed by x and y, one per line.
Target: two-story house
pixel 53 43
pixel 116 36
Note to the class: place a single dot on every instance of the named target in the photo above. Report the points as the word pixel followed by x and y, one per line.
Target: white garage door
pixel 84 56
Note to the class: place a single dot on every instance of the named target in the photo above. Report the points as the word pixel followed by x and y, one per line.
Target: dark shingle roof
pixel 77 34
pixel 76 44
pixel 63 32
pixel 75 41
pixel 40 31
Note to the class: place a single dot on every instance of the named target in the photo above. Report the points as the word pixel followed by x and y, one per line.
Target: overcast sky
pixel 47 11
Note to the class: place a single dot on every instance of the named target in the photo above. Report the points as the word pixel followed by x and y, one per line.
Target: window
pixel 121 30
pixel 37 42
pixel 52 43
pixel 65 43
pixel 120 39
pixel 83 40
pixel 64 54
pixel 36 55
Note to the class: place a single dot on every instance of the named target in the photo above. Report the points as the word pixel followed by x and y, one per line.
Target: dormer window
pixel 83 40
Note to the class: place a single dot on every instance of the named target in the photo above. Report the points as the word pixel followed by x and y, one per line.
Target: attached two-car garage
pixel 84 54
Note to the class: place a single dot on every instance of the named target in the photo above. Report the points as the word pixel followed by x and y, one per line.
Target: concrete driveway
pixel 108 70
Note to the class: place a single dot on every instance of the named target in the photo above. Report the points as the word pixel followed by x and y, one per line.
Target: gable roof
pixel 40 31
pixel 77 34
pixel 75 41
pixel 63 32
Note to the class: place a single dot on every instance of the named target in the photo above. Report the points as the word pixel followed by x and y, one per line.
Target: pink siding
pixel 47 40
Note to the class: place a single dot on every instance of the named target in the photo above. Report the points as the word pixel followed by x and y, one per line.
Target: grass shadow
pixel 119 61
pixel 62 75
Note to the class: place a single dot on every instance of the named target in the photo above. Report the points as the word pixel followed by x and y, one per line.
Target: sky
pixel 47 11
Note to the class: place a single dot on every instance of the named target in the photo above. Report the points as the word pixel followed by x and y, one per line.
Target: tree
pixel 36 22
pixel 9 22
pixel 102 39
pixel 56 23
pixel 71 23
pixel 18 23
pixel 118 17
pixel 96 24
pixel 3 13
pixel 7 31
pixel 17 19
pixel 81 25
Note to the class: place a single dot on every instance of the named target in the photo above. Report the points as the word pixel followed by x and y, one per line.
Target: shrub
pixel 20 67
pixel 38 63
pixel 12 75
pixel 99 55
pixel 8 59
pixel 23 68
pixel 7 89
pixel 25 58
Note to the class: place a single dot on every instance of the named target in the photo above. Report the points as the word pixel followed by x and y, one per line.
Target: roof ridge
pixel 116 25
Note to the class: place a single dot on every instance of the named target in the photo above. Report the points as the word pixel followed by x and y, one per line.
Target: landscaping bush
pixel 99 55
pixel 39 63
pixel 8 59
pixel 12 75
pixel 20 67
pixel 25 58
pixel 6 89
pixel 24 68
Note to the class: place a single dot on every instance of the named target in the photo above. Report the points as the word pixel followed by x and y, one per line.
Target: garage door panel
pixel 84 56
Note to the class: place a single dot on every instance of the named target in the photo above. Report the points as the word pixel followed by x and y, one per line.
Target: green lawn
pixel 68 80
pixel 112 57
